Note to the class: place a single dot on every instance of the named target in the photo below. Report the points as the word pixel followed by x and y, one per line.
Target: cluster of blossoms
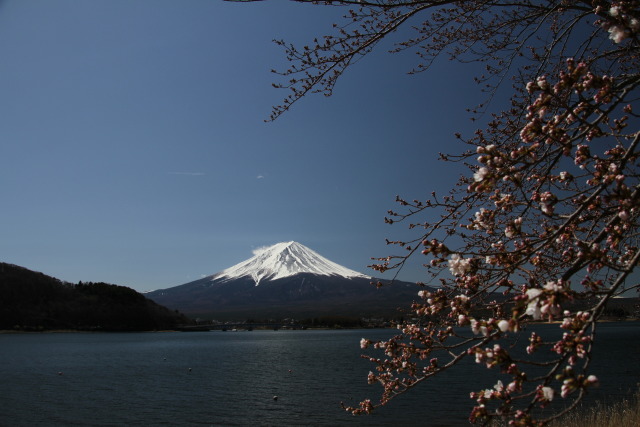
pixel 459 265
pixel 544 301
pixel 619 22
pixel 483 220
pixel 572 382
pixel 491 356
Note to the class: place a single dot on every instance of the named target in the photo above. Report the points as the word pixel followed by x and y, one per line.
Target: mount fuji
pixel 285 260
pixel 286 280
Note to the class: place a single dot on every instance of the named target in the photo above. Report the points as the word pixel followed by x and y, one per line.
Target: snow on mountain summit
pixel 284 260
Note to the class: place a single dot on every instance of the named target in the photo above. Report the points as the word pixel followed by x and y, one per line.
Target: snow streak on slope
pixel 284 260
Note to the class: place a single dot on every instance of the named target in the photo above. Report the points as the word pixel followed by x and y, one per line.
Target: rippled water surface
pixel 231 378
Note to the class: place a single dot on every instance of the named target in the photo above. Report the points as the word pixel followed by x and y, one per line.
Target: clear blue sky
pixel 133 147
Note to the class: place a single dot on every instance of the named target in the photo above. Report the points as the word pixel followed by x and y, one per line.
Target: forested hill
pixel 35 301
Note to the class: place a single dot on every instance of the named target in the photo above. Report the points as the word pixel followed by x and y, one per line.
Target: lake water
pixel 230 379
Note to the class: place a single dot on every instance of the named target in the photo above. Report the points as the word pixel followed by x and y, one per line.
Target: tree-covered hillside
pixel 35 301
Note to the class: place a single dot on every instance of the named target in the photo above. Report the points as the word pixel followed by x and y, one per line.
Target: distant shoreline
pixel 213 329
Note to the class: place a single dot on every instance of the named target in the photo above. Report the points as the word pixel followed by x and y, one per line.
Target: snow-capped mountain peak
pixel 284 260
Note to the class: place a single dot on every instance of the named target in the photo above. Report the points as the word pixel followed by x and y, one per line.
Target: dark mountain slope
pixel 299 296
pixel 34 301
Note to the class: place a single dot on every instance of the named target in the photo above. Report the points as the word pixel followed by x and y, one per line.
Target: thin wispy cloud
pixel 260 177
pixel 188 173
pixel 260 249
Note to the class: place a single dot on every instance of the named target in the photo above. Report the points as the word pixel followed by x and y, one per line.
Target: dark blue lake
pixel 230 379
